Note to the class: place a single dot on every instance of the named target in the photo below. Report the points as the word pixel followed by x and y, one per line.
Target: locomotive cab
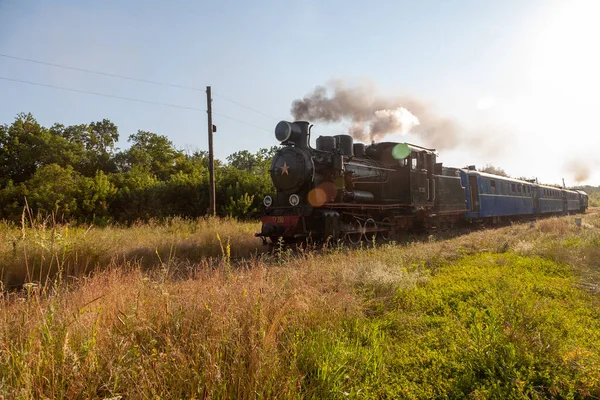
pixel 412 180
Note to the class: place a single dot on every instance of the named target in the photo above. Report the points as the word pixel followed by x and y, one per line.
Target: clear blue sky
pixel 477 61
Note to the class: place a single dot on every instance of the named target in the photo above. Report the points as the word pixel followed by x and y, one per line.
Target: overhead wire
pixel 91 71
pixel 130 99
pixel 131 78
pixel 245 106
pixel 241 122
pixel 101 94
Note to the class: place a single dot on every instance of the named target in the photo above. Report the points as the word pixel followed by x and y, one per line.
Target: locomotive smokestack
pixel 304 133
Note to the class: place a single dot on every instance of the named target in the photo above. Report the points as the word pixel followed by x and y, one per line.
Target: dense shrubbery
pixel 594 193
pixel 77 174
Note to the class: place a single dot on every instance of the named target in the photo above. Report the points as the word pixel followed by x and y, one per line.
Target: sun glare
pixel 558 102
pixel 565 58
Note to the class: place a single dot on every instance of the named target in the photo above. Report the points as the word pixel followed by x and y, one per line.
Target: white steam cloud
pixel 373 116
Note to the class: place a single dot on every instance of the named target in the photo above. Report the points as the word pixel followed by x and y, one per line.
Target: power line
pixel 130 99
pixel 101 94
pixel 246 107
pixel 241 122
pixel 131 78
pixel 91 71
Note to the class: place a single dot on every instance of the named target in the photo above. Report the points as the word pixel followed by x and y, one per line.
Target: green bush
pixel 74 173
pixel 240 208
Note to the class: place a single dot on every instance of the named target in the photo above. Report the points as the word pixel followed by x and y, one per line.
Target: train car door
pixel 474 193
pixel 418 180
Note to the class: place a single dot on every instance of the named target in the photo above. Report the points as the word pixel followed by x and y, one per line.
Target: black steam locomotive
pixel 354 192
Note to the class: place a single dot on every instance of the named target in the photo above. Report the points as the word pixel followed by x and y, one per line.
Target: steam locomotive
pixel 353 192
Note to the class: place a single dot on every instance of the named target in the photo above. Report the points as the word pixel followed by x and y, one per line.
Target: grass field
pixel 39 250
pixel 173 312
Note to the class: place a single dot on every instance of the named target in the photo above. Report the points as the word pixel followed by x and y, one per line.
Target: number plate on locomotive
pixel 277 220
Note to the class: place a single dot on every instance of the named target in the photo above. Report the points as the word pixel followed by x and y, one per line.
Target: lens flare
pixel 317 197
pixel 322 194
pixel 401 151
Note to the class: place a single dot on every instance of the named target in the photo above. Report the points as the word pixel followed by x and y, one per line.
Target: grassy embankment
pixel 510 312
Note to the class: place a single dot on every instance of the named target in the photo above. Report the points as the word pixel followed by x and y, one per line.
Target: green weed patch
pixel 499 326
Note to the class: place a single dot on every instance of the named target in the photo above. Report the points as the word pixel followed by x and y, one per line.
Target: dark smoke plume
pixel 372 116
pixel 579 169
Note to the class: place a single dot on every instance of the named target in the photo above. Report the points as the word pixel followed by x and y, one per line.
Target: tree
pixel 12 200
pixel 53 189
pixel 133 199
pixel 259 162
pixel 94 196
pixel 241 207
pixel 99 140
pixel 151 151
pixel 94 144
pixel 490 169
pixel 243 160
pixel 20 149
pixel 26 146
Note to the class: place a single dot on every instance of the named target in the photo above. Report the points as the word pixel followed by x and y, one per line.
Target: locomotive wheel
pixel 386 234
pixel 355 236
pixel 369 226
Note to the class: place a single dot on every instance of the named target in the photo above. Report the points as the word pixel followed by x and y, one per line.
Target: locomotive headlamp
pixel 294 200
pixel 285 131
pixel 267 201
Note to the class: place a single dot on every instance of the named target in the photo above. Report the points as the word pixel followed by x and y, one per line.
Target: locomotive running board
pixel 366 206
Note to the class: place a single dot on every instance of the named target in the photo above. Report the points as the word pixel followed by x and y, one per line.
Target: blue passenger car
pixel 583 200
pixel 496 197
pixel 572 201
pixel 548 200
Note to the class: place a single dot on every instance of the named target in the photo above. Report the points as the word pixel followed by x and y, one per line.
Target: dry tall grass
pixel 38 250
pixel 296 325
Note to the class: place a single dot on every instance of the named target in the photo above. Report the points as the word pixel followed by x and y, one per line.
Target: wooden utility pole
pixel 211 155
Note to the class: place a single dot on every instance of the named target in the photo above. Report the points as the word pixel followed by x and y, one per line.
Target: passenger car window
pixel 512 186
pixel 492 186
